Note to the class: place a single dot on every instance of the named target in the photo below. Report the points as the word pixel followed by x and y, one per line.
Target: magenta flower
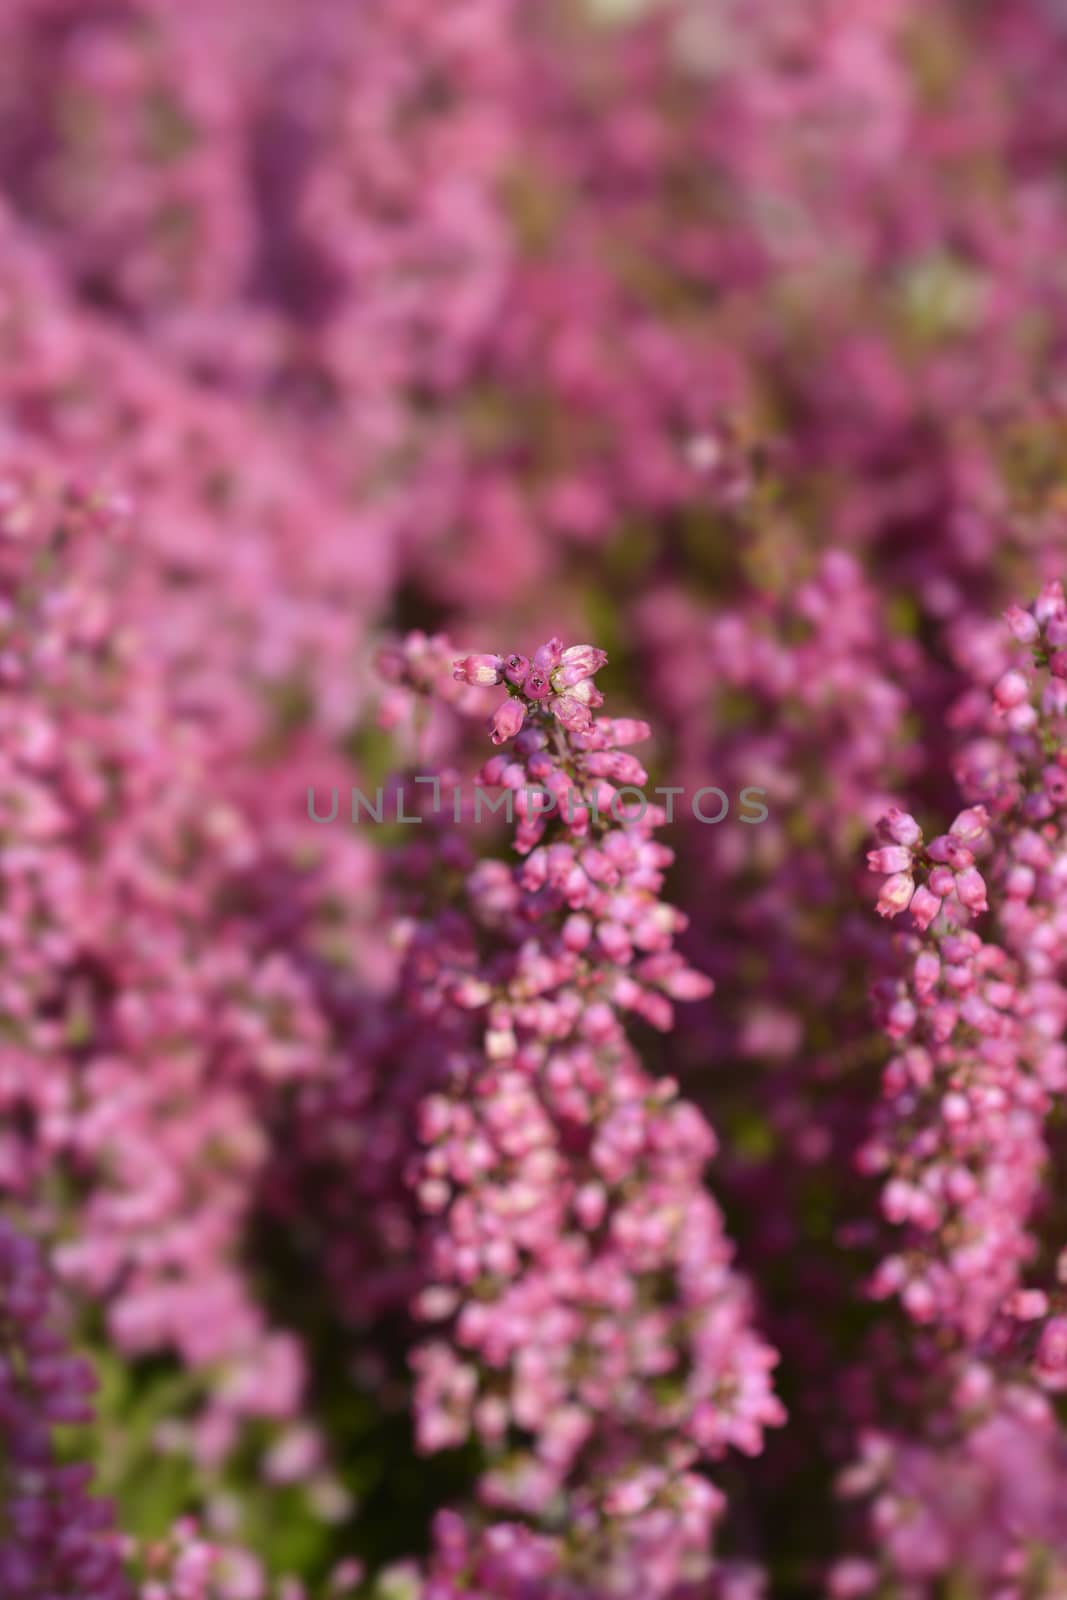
pixel 480 671
pixel 896 894
pixel 608 1349
pixel 971 889
pixel 506 720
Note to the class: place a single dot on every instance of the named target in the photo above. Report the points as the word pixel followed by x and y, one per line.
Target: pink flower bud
pixel 567 677
pixel 506 720
pixel 590 1204
pixel 586 692
pixel 948 847
pixel 901 827
pixel 970 887
pixel 896 894
pixel 580 661
pixel 918 1299
pixel 1020 719
pixel 924 907
pixel 515 669
pixel 688 984
pixel 577 932
pixel 1011 690
pixel 1050 601
pixel 927 963
pixel 587 657
pixel 548 656
pixel 971 825
pixel 942 881
pixel 901 1018
pixel 617 766
pixel 1019 883
pixel 572 713
pixel 599 866
pixel 1022 624
pixel 974 1387
pixel 896 1200
pixel 955 1109
pixel 890 858
pixel 623 730
pixel 1052 1350
pixel 482 671
pixel 1027 1305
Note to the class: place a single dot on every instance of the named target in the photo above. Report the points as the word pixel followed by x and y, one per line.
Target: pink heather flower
pixel 924 907
pixel 537 685
pixel 901 828
pixel 585 691
pixel 574 716
pixel 942 881
pixel 890 858
pixel 1050 601
pixel 947 847
pixel 506 720
pixel 971 889
pixel 1023 625
pixel 962 1162
pixel 577 664
pixel 480 671
pixel 515 669
pixel 584 658
pixel 1051 1360
pixel 143 900
pixel 1011 690
pixel 623 730
pixel 971 825
pixel 567 1183
pixel 1056 631
pixel 548 656
pixel 1027 1305
pixel 687 984
pixel 896 894
pixel 568 677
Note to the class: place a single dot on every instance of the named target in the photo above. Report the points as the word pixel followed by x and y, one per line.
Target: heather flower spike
pixel 567 1183
pixel 961 1140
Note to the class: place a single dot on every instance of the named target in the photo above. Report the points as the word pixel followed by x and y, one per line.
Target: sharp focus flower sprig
pixel 556 679
pixel 590 1330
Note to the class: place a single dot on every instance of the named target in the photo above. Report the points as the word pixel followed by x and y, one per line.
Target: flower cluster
pixel 949 860
pixel 963 1138
pixel 556 679
pixel 591 1332
pixel 150 1026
